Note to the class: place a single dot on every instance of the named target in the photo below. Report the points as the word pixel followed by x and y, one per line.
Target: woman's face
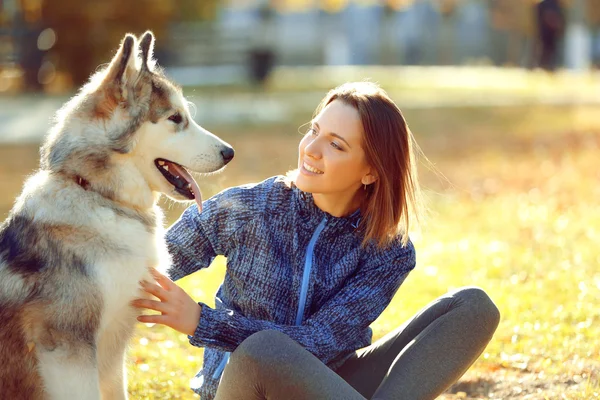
pixel 331 158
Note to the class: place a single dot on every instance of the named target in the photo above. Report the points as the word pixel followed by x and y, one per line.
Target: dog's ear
pixel 123 63
pixel 147 50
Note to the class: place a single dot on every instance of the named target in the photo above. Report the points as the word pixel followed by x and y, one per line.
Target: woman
pixel 312 260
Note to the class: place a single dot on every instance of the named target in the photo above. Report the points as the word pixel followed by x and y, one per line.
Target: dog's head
pixel 130 128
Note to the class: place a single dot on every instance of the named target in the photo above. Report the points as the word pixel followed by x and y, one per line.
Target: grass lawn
pixel 513 209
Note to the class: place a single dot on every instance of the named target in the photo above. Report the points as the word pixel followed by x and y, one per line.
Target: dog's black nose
pixel 227 154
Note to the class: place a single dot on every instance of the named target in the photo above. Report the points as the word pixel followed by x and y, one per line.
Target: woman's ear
pixel 368 179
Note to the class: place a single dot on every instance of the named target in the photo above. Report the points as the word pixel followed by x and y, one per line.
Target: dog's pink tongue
pixel 195 189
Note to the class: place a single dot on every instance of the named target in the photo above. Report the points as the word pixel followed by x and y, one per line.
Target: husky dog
pixel 87 227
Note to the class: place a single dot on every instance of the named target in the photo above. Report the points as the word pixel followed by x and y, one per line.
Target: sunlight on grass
pixel 518 216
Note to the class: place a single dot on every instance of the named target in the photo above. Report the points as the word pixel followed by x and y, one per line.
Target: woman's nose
pixel 312 149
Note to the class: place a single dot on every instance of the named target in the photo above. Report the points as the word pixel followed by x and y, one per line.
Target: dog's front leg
pixel 111 357
pixel 69 371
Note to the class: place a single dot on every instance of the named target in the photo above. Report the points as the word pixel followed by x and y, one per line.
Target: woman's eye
pixel 176 118
pixel 312 131
pixel 336 146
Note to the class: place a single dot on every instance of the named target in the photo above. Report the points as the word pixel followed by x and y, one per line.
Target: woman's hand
pixel 177 309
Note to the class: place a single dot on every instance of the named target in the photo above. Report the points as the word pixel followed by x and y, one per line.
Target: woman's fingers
pixel 178 310
pixel 153 319
pixel 163 280
pixel 150 305
pixel 154 289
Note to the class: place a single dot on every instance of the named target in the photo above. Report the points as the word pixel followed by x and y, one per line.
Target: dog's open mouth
pixel 181 180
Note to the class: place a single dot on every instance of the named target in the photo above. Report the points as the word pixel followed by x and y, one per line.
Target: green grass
pixel 516 214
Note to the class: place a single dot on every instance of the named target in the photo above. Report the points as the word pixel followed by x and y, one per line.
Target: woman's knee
pixel 479 304
pixel 253 364
pixel 263 347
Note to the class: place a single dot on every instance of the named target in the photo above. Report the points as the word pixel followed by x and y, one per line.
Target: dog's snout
pixel 227 154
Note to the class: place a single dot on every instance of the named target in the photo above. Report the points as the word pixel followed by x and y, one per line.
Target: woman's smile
pixel 310 170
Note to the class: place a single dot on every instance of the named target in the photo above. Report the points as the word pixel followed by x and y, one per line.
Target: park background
pixel 512 140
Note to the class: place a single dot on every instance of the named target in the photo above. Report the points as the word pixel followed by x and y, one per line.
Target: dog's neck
pixel 150 217
pixel 132 203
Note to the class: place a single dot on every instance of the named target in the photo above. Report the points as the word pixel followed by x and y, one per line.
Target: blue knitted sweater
pixel 290 267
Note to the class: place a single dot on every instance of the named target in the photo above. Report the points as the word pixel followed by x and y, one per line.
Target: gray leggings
pixel 419 360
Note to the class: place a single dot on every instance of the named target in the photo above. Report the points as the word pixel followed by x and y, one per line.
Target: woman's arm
pixel 198 237
pixel 331 331
pixel 189 246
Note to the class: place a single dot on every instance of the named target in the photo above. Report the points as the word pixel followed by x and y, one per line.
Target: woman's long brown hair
pixel 393 200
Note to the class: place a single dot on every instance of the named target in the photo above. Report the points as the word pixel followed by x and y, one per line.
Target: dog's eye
pixel 175 118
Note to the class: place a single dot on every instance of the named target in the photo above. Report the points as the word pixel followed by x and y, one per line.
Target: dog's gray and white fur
pixel 87 227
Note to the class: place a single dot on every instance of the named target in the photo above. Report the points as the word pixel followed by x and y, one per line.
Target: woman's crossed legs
pixel 419 360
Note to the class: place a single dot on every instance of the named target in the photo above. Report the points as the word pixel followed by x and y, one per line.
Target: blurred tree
pixel 333 6
pixel 27 22
pixel 398 5
pixel 194 10
pixel 515 19
pixel 447 44
pixel 89 31
pixel 513 16
pixel 447 7
pixel 590 9
pixel 593 13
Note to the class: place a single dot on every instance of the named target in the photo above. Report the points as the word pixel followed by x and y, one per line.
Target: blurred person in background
pixel 29 54
pixel 550 27
pixel 596 49
pixel 313 258
pixel 261 57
